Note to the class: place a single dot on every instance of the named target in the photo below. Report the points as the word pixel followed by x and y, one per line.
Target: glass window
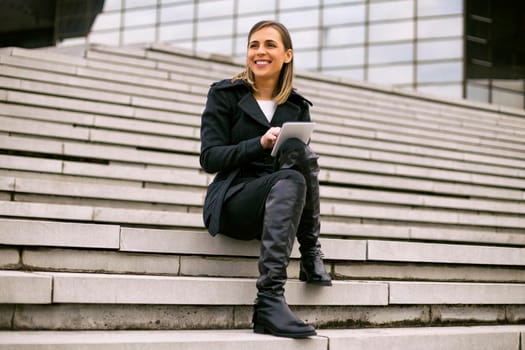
pixel 176 32
pixel 306 59
pixel 111 5
pixel 255 6
pixel 176 13
pixel 305 39
pixel 140 17
pixel 391 31
pixel 432 50
pixel 300 19
pixel 439 7
pixel 110 20
pixel 343 57
pixel 141 35
pixel 139 3
pixel 440 72
pixel 214 28
pixel 508 84
pixel 391 10
pixel 507 98
pixel 449 90
pixel 344 14
pixel 245 23
pixel 356 74
pixel 215 8
pixel 390 53
pixel 344 35
pixel 335 2
pixel 72 42
pixel 240 45
pixel 218 46
pixel 392 74
pixel 438 28
pixel 478 92
pixel 293 4
pixel 186 45
pixel 109 38
pixel 174 1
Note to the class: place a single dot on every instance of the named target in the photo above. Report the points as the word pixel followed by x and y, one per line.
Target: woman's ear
pixel 288 56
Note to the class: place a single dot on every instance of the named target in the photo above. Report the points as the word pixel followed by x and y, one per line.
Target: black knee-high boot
pixel 272 315
pixel 299 156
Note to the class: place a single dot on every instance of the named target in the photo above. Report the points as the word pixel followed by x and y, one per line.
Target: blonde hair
pixel 285 83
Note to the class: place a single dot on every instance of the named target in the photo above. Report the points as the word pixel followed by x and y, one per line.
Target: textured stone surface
pixel 445 253
pixel 468 313
pixel 22 287
pixel 435 338
pixel 100 261
pixel 456 293
pixel 516 313
pixel 157 340
pixel 9 258
pixel 7 313
pixel 48 233
pixel 112 316
pixel 127 289
pixel 422 272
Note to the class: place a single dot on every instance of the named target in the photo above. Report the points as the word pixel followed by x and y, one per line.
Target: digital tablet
pixel 300 130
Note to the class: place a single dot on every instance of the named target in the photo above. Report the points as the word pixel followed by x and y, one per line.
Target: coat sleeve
pixel 217 152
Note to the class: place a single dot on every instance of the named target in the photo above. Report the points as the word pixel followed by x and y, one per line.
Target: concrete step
pixel 56 234
pixel 155 340
pixel 89 88
pixel 150 174
pixel 359 103
pixel 191 202
pixel 88 120
pixel 405 177
pixel 102 153
pixel 388 120
pixel 101 214
pixel 95 132
pixel 194 253
pixel 94 288
pixel 20 184
pixel 432 338
pixel 82 260
pixel 485 337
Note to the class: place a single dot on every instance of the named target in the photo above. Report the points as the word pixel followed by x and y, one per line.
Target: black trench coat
pixel 231 128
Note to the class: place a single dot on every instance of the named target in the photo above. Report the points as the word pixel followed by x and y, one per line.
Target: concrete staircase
pixel 102 244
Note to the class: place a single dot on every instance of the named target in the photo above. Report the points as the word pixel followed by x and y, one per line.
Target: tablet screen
pixel 300 130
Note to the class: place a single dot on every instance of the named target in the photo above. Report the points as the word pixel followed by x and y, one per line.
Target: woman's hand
pixel 269 138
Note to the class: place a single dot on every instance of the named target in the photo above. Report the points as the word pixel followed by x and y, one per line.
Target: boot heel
pixel 258 328
pixel 302 276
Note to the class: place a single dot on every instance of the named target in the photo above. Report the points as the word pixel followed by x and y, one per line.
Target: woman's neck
pixel 264 91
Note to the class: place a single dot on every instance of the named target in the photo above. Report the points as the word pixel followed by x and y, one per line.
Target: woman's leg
pixel 284 193
pixel 294 154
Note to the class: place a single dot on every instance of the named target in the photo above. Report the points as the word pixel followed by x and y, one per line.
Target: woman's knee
pixel 290 174
pixel 295 153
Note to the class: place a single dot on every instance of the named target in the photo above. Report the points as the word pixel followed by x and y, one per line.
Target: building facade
pixel 442 47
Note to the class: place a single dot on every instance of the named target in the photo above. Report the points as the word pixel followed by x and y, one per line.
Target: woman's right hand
pixel 269 138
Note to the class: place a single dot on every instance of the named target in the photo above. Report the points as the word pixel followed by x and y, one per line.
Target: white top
pixel 268 107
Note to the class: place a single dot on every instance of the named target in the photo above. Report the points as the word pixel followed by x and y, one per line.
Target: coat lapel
pixel 286 112
pixel 249 105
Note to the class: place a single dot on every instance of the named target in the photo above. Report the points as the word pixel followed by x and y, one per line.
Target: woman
pixel 256 196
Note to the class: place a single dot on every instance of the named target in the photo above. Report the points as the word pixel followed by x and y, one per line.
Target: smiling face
pixel 267 54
